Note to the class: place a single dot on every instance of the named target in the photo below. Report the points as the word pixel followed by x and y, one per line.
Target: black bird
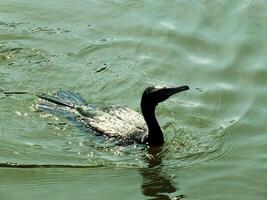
pixel 117 122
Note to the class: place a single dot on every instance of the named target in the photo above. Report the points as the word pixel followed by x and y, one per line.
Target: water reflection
pixel 156 184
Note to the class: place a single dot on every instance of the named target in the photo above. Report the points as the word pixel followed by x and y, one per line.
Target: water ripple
pixel 217 53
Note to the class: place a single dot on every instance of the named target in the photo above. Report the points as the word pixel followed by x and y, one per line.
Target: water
pixel 109 51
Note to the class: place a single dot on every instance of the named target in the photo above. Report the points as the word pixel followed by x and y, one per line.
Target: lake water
pixel 109 51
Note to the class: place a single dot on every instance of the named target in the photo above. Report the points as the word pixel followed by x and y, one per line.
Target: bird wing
pixel 118 122
pixel 128 115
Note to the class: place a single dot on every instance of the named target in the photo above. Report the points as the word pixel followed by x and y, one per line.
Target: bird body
pixel 117 122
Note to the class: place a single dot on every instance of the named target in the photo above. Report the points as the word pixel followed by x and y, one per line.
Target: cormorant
pixel 117 122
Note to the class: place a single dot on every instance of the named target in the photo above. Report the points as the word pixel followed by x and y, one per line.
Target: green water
pixel 109 51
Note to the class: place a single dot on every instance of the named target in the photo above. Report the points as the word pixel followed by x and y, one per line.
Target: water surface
pixel 109 52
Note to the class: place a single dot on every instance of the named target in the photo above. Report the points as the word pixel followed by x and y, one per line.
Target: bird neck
pixel 155 136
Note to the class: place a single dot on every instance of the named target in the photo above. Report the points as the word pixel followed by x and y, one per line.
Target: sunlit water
pixel 109 52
